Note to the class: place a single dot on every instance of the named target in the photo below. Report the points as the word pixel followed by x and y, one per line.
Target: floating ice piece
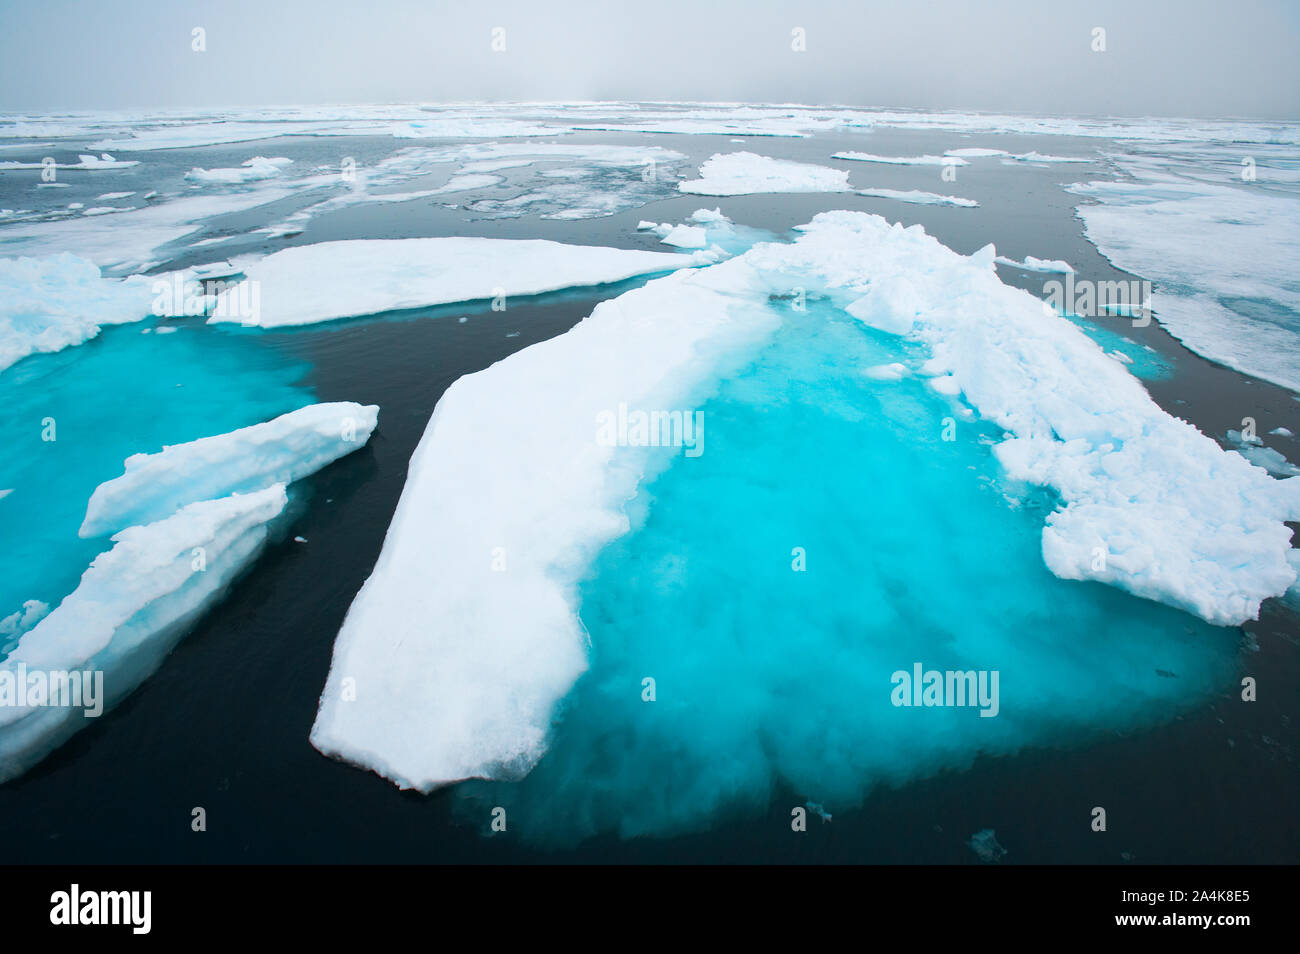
pixel 745 173
pixel 918 197
pixel 129 609
pixel 117 195
pixel 976 153
pixel 251 170
pixel 51 303
pixel 1271 460
pixel 449 665
pixel 818 809
pixel 926 160
pixel 1031 264
pixel 330 280
pixel 85 163
pixel 279 451
pixel 686 236
pixel 1282 432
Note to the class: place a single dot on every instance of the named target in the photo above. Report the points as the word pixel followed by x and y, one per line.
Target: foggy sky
pixel 1191 58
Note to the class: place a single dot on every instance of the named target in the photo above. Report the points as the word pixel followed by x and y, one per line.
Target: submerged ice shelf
pixel 469 579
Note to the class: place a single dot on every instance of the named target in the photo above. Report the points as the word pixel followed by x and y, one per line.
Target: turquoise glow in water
pixel 917 551
pixel 120 394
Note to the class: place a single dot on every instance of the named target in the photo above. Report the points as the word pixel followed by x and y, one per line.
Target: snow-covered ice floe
pixel 1031 264
pixel 85 162
pixel 331 280
pixel 746 173
pixel 194 515
pixel 131 606
pixel 919 197
pixel 54 302
pixel 465 637
pixel 280 451
pixel 251 170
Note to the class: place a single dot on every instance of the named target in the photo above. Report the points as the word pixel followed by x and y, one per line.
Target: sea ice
pixel 313 283
pixel 132 604
pixel 418 690
pixel 280 451
pixel 745 173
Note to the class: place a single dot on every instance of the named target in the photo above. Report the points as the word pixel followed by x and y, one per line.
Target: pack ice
pixel 456 651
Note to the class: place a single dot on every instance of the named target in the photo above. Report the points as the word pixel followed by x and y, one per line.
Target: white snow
pixel 1223 259
pixel 130 607
pixel 919 197
pixel 746 173
pixel 331 280
pixel 1031 264
pixel 251 170
pixel 86 162
pixel 51 303
pixel 279 451
pixel 686 236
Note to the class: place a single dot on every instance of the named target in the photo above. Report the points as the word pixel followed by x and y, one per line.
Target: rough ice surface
pixel 329 280
pixel 252 170
pixel 919 197
pixel 85 162
pixel 1180 520
pixel 425 638
pixel 54 302
pixel 132 604
pixel 746 173
pixel 279 451
pixel 1223 258
pixel 1031 264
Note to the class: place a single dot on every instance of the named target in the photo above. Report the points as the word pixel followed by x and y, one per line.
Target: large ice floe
pixel 457 651
pixel 331 280
pixel 188 520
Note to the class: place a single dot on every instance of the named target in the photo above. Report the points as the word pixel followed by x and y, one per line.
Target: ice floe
pixel 54 302
pixel 1031 264
pixel 919 197
pixel 457 649
pixel 251 170
pixel 131 605
pixel 746 173
pixel 331 280
pixel 279 451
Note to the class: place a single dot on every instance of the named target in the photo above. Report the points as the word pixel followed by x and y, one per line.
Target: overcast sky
pixel 1188 58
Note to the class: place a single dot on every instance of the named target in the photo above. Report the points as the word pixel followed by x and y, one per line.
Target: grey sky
pixel 1190 58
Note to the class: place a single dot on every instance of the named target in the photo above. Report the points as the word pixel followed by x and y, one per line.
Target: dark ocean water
pixel 224 722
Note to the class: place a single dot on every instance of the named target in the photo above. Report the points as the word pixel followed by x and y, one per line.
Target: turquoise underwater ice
pixel 120 394
pixel 767 678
